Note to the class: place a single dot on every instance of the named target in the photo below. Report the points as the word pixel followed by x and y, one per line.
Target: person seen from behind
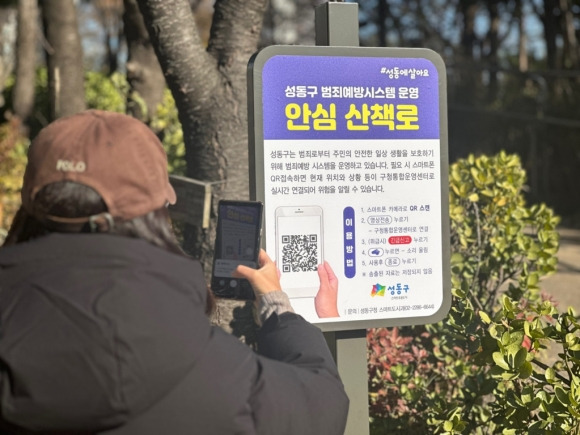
pixel 103 319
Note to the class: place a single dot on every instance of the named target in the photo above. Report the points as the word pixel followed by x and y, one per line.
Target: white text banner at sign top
pixel 349 155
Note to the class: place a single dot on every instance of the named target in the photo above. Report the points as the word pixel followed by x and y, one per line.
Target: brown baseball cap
pixel 115 154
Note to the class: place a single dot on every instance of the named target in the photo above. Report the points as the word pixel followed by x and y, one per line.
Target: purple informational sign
pixel 350 98
pixel 349 156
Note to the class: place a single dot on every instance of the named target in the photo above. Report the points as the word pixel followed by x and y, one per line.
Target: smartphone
pixel 299 249
pixel 239 229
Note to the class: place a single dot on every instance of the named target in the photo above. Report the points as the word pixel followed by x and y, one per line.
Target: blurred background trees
pixel 513 80
pixel 513 70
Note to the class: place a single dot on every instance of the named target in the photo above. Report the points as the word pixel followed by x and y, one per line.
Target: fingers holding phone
pixel 265 279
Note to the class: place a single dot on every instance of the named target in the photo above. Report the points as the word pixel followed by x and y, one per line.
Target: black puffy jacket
pixel 104 334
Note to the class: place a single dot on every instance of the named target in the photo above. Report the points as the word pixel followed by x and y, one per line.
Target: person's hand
pixel 325 301
pixel 265 279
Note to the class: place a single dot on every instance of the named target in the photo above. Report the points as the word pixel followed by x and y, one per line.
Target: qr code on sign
pixel 299 253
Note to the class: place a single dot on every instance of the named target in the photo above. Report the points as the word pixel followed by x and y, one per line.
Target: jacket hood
pixel 94 329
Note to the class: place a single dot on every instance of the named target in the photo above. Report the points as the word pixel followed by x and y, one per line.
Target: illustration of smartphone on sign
pixel 299 249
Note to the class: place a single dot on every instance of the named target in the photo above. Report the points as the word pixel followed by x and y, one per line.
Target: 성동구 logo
pixel 378 290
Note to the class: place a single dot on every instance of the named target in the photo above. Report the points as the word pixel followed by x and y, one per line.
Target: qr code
pixel 299 253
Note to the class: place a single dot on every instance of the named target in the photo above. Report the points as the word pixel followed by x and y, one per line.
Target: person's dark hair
pixel 68 199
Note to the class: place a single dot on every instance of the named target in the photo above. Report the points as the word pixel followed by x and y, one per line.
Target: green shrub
pixel 13 148
pixel 167 122
pixel 106 92
pixel 482 370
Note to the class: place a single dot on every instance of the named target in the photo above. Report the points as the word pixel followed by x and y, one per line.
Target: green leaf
pixel 512 351
pixel 526 370
pixel 550 375
pixel 507 303
pixel 542 395
pixel 508 376
pixel 520 357
pixel 527 328
pixel 574 412
pixel 534 404
pixel 500 361
pixel 474 197
pixel 456 258
pixel 562 395
pixel 484 317
pixel 505 338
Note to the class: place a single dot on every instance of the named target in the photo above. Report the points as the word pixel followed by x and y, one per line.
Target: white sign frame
pixel 261 164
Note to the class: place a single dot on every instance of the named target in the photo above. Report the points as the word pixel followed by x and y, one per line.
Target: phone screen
pixel 237 242
pixel 299 249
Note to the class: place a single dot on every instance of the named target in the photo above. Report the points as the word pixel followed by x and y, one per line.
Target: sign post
pixel 336 25
pixel 348 152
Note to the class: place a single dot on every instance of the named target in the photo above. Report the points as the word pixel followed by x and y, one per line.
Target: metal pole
pixel 336 24
pixel 349 349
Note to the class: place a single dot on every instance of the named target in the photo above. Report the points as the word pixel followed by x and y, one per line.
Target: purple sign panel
pixel 327 97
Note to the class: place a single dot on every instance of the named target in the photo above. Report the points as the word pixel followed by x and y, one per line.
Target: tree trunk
pixel 522 38
pixel 65 58
pixel 7 41
pixel 466 85
pixel 493 46
pixel 144 73
pixel 468 10
pixel 199 92
pixel 571 56
pixel 23 92
pixel 109 14
pixel 551 31
pixel 209 87
pixel 234 38
pixel 383 13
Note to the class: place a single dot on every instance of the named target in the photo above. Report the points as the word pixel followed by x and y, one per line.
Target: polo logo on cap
pixel 69 166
